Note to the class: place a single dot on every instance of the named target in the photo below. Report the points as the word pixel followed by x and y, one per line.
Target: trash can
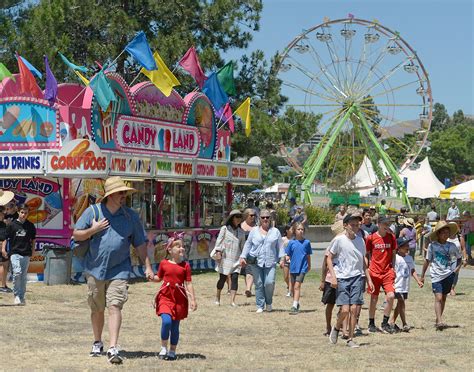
pixel 58 262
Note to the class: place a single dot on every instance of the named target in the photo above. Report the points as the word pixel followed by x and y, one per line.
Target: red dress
pixel 172 298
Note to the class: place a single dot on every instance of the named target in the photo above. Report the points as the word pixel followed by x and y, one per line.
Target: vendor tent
pixel 421 181
pixel 463 191
pixel 365 177
pixel 277 188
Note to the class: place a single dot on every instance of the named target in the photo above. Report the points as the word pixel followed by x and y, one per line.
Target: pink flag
pixel 190 63
pixel 228 117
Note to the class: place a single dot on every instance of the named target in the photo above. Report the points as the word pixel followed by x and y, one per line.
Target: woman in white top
pixel 226 253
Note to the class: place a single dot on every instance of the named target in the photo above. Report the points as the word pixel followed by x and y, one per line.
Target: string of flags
pixel 217 86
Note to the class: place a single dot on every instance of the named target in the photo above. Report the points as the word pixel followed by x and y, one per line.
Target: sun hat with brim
pixel 453 229
pixel 116 184
pixel 402 241
pixel 337 227
pixel 6 197
pixel 234 212
pixel 409 222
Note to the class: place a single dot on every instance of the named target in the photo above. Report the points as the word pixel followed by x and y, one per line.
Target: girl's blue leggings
pixel 169 326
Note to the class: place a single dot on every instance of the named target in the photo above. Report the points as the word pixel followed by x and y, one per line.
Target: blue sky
pixel 441 32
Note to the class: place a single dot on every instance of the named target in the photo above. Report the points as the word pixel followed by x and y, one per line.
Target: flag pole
pixel 225 122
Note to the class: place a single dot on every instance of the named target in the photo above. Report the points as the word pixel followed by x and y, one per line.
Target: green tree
pixel 440 117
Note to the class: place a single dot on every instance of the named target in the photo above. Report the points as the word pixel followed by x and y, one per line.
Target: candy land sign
pixel 79 157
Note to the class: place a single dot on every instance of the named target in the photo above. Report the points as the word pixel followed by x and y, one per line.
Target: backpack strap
pixel 97 212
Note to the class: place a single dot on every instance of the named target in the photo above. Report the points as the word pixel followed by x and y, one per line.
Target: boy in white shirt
pixel 404 268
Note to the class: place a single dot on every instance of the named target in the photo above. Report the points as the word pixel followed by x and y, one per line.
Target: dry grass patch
pixel 53 332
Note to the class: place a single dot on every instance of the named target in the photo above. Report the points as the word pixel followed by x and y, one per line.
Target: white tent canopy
pixel 421 181
pixel 463 191
pixel 277 188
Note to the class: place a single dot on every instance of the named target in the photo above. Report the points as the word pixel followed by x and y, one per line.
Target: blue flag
pixel 102 91
pixel 51 90
pixel 140 50
pixel 32 68
pixel 214 91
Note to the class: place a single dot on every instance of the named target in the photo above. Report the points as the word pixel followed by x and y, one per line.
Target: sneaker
pixel 382 307
pixel 358 331
pixel 396 329
pixel 233 304
pixel 352 344
pixel 163 353
pixel 406 328
pixel 345 337
pixel 294 310
pixel 6 290
pixel 217 302
pixel 386 328
pixel 269 308
pixel 17 301
pixel 113 356
pixel 288 294
pixel 333 335
pixel 248 293
pixel 171 356
pixel 259 310
pixel 97 349
pixel 373 329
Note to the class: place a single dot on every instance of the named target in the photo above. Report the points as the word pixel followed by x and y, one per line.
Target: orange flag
pixel 28 85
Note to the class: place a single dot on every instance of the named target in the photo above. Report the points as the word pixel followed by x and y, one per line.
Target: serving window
pixel 175 205
pixel 212 204
pixel 143 201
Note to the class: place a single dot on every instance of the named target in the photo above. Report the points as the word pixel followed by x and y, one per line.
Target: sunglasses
pixel 264 218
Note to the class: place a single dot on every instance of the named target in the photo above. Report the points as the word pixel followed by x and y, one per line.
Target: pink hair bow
pixel 176 236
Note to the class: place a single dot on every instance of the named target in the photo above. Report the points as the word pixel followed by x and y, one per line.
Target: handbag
pixel 80 249
pixel 218 248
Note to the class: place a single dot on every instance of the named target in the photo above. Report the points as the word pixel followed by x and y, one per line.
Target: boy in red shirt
pixel 381 254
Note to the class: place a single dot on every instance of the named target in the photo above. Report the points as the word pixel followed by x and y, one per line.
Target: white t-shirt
pixel 350 256
pixel 403 268
pixel 442 257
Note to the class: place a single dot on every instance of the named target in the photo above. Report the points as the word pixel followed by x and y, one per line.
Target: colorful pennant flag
pixel 51 90
pixel 4 72
pixel 244 113
pixel 214 91
pixel 102 90
pixel 226 78
pixel 227 115
pixel 190 62
pixel 80 76
pixel 72 65
pixel 140 50
pixel 162 77
pixel 28 83
pixel 32 68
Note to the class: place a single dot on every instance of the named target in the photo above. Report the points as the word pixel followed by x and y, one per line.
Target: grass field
pixel 53 333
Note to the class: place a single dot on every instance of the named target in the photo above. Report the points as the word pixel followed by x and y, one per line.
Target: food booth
pixel 55 157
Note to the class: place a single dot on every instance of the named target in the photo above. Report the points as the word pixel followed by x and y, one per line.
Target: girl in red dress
pixel 172 298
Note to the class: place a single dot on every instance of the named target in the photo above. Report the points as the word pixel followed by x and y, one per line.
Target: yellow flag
pixel 80 76
pixel 163 78
pixel 244 113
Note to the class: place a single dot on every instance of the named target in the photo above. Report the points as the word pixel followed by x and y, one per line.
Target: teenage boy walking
pixel 381 254
pixel 347 253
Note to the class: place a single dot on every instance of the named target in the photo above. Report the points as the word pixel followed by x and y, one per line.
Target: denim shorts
pixel 350 291
pixel 444 286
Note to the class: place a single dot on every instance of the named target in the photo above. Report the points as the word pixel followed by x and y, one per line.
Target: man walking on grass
pixel 107 263
pixel 346 263
pixel 381 254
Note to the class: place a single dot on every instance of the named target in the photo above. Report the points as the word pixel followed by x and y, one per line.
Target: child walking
pixel 286 267
pixel 298 252
pixel 172 299
pixel 404 268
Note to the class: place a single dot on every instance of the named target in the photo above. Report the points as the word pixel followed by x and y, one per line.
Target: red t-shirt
pixel 381 250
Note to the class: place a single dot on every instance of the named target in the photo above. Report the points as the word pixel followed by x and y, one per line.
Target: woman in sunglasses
pixel 262 251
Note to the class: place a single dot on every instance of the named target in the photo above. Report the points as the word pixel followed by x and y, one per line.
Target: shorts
pixel 386 282
pixel 401 296
pixel 444 286
pixel 329 294
pixel 243 271
pixel 297 277
pixel 104 293
pixel 350 291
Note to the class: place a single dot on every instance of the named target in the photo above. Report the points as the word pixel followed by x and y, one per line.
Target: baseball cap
pixel 350 217
pixel 383 219
pixel 402 241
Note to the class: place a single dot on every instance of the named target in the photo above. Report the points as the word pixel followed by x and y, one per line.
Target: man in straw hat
pixel 441 255
pixel 107 263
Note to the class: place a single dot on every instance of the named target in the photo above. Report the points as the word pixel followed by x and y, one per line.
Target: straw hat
pixel 6 197
pixel 453 229
pixel 234 212
pixel 337 227
pixel 409 222
pixel 115 184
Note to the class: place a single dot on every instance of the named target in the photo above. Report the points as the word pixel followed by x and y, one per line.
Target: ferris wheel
pixel 369 88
